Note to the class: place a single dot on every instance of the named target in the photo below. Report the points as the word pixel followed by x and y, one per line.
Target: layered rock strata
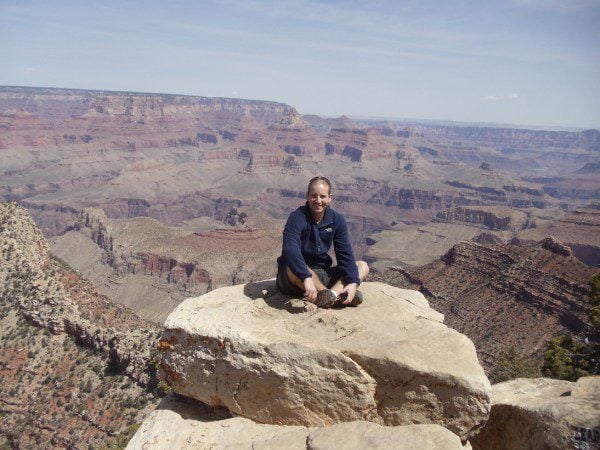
pixel 494 218
pixel 69 355
pixel 579 229
pixel 543 413
pixel 27 279
pixel 504 295
pixel 282 361
pixel 150 267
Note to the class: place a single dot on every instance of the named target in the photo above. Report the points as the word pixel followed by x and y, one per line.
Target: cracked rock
pixel 198 427
pixel 543 413
pixel 391 361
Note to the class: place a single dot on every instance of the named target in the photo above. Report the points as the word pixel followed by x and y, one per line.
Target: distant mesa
pixel 591 167
pixel 323 125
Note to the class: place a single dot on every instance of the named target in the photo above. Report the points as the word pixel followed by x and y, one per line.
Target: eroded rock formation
pixel 503 295
pixel 69 355
pixel 277 361
pixel 543 413
pixel 46 301
pixel 494 218
pixel 197 428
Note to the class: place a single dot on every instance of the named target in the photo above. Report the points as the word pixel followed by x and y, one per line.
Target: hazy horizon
pixel 528 62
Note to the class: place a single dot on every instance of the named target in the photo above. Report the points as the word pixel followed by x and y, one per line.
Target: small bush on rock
pixel 512 364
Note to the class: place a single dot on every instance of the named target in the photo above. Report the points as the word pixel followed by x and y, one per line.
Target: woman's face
pixel 318 198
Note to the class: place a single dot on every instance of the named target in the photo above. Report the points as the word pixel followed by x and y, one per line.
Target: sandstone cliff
pixel 200 427
pixel 280 361
pixel 543 413
pixel 151 267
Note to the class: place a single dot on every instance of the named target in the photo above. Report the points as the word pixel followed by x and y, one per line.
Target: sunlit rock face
pixel 274 360
pixel 543 413
pixel 179 423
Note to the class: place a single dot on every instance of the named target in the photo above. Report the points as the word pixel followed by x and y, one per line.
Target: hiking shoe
pixel 325 298
pixel 357 300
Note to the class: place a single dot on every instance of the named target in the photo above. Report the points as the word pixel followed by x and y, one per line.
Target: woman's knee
pixel 363 269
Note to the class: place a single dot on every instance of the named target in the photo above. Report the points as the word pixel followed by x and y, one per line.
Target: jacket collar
pixel 327 216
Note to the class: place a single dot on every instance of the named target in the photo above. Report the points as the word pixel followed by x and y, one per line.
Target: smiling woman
pixel 318 195
pixel 304 267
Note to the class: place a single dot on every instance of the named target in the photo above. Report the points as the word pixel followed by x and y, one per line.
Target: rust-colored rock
pixel 501 295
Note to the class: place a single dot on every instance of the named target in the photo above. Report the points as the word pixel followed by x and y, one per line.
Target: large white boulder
pixel 177 424
pixel 542 413
pixel 278 360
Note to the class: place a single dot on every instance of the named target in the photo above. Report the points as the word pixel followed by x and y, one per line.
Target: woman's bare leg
pixel 363 271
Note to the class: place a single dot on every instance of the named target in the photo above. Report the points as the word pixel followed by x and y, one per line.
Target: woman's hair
pixel 316 180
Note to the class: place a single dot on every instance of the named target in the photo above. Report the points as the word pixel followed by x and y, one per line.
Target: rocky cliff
pixel 526 413
pixel 189 275
pixel 48 102
pixel 283 361
pixel 494 218
pixel 200 427
pixel 504 295
pixel 579 229
pixel 151 267
pixel 77 369
pixel 543 413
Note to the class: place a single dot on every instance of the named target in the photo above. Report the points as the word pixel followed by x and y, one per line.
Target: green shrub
pixel 512 364
pixel 594 297
pixel 567 360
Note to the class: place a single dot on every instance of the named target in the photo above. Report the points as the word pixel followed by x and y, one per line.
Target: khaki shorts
pixel 328 277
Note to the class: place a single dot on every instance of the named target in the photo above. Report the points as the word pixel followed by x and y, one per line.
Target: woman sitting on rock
pixel 304 267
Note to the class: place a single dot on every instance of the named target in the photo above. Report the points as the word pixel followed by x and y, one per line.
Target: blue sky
pixel 533 62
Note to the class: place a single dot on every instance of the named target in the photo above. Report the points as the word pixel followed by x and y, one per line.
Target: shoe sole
pixel 325 298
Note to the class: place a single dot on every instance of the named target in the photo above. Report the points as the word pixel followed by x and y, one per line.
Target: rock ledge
pixel 282 361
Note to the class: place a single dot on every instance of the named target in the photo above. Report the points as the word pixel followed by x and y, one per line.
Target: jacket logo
pixel 329 230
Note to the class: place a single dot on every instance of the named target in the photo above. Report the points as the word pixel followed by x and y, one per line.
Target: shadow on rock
pixel 191 409
pixel 261 289
pixel 267 290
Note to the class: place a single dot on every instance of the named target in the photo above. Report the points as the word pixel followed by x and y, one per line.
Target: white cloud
pixel 495 98
pixel 30 70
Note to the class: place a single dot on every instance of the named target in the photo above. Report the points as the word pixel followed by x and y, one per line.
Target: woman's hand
pixel 350 291
pixel 310 290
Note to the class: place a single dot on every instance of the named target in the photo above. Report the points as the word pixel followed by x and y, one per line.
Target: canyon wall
pixel 503 295
pixel 76 368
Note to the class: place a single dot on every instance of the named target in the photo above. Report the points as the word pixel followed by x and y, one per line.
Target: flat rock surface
pixel 543 413
pixel 278 360
pixel 181 424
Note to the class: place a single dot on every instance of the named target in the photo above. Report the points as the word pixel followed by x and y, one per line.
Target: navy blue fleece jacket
pixel 306 243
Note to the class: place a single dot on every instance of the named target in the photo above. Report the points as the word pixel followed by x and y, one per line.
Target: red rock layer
pixel 501 295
